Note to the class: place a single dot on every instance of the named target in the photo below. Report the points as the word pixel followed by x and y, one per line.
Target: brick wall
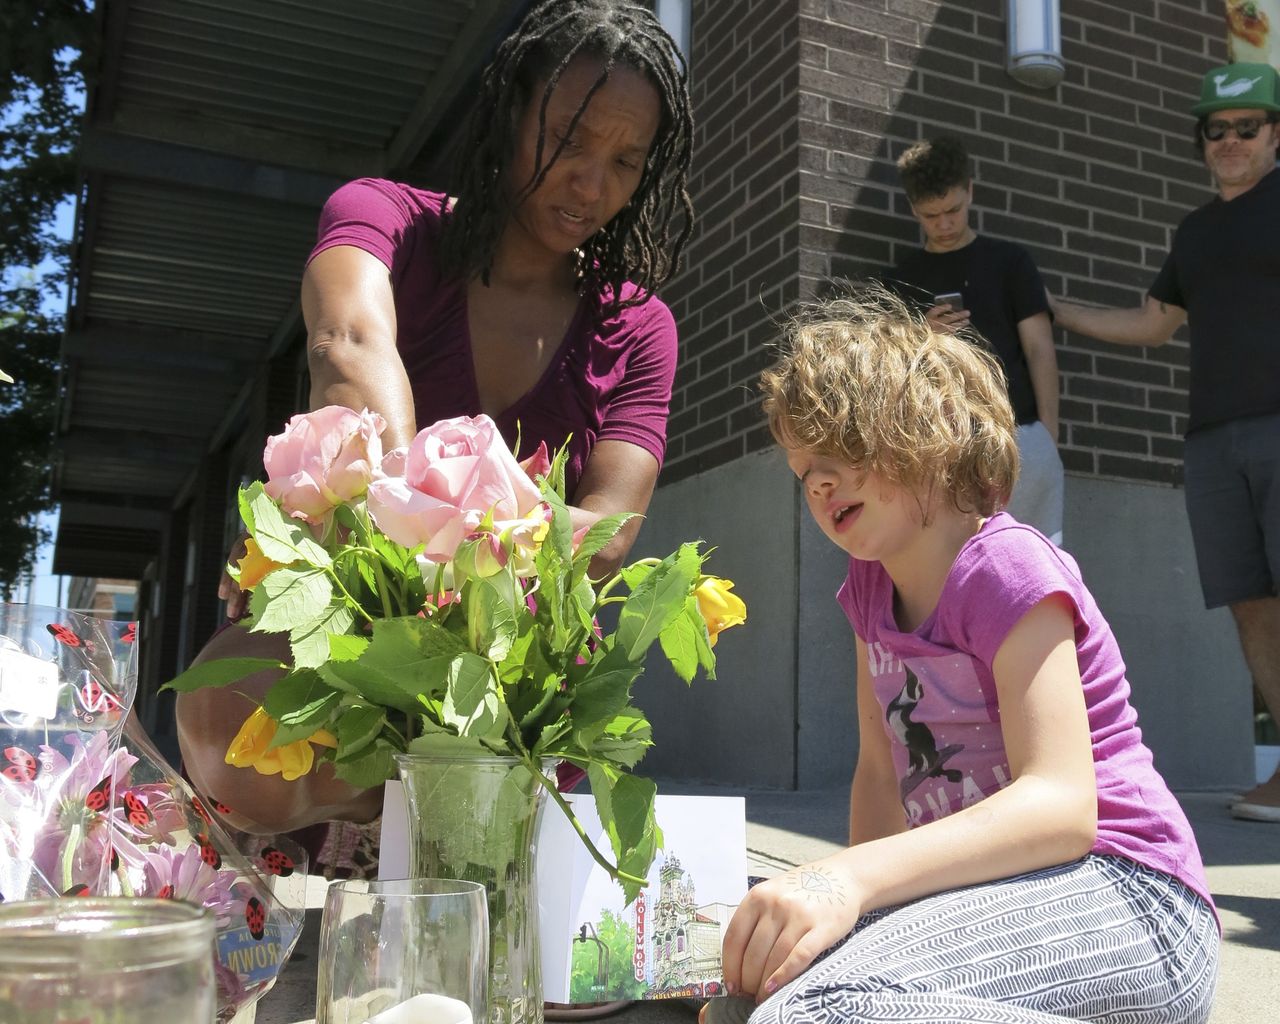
pixel 1092 177
pixel 742 263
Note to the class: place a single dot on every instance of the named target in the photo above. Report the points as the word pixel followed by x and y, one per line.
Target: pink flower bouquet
pixel 437 599
pixel 88 807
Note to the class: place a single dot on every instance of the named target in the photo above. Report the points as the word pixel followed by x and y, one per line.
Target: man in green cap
pixel 1223 276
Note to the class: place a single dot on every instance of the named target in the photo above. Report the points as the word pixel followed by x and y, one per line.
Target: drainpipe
pixel 1034 43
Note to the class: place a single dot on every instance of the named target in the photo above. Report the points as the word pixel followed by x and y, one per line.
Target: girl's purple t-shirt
pixel 941 712
pixel 610 380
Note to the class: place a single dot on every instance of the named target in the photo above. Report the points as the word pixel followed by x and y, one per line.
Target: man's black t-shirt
pixel 1001 288
pixel 1224 270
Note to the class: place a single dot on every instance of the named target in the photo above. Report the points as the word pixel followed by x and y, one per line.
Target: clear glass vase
pixel 108 960
pixel 476 818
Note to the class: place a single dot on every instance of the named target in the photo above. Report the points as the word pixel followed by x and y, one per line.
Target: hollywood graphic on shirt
pixel 947 747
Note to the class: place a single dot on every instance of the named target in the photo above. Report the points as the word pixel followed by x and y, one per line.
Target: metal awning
pixel 215 132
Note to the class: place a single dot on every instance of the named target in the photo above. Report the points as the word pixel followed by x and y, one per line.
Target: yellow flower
pixel 254 565
pixel 251 748
pixel 719 608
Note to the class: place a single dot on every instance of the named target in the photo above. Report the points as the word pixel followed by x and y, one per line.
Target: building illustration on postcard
pixel 667 943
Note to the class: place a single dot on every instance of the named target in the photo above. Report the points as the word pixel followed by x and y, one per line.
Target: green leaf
pixel 596 539
pixel 346 648
pixel 410 648
pixel 473 704
pixel 244 501
pixel 624 804
pixel 601 693
pixel 358 726
pixel 685 643
pixel 279 537
pixel 680 645
pixel 446 744
pixel 549 736
pixel 310 642
pixel 221 672
pixel 301 703
pixel 626 739
pixel 371 767
pixel 491 619
pixel 407 658
pixel 657 600
pixel 287 598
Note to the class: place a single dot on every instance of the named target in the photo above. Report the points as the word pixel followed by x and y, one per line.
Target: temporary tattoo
pixel 818 885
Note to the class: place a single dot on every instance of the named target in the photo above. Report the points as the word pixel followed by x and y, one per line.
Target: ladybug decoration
pixel 93 698
pixel 209 855
pixel 130 633
pixel 99 798
pixel 65 635
pixel 77 890
pixel 277 862
pixel 255 916
pixel 201 813
pixel 22 766
pixel 139 813
pixel 165 893
pixel 220 807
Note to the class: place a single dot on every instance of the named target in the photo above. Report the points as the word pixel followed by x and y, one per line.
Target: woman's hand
pixel 785 922
pixel 228 589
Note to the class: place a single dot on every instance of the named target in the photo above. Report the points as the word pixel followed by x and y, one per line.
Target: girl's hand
pixel 785 922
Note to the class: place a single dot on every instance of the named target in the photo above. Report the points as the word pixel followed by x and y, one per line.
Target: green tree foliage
pixel 619 939
pixel 45 46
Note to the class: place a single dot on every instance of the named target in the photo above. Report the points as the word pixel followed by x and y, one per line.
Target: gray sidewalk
pixel 789 828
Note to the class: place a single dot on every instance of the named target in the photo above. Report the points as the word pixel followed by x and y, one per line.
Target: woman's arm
pixel 875 810
pixel 1046 816
pixel 619 477
pixel 350 313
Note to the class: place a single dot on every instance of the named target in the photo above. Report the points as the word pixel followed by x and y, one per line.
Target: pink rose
pixel 455 473
pixel 323 459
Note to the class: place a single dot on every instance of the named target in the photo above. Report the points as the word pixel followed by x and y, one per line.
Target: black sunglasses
pixel 1246 128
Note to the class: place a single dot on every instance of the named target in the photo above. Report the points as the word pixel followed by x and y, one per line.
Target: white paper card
pixel 595 949
pixel 28 685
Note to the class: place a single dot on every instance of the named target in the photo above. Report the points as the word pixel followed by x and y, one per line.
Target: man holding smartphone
pixel 967 280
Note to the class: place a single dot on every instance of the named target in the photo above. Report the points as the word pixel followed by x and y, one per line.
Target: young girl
pixel 1014 856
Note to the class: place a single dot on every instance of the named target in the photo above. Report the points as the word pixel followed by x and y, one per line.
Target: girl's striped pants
pixel 1100 939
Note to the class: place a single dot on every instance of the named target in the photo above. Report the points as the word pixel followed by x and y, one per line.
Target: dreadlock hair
pixel 637 244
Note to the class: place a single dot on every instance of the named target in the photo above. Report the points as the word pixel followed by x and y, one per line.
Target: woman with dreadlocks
pixel 529 296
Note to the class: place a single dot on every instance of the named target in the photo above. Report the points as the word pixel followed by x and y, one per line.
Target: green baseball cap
pixel 1239 87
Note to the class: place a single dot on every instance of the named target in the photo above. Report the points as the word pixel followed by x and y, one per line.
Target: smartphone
pixel 953 299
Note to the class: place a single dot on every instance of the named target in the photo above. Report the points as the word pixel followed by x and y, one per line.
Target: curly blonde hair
pixel 863 378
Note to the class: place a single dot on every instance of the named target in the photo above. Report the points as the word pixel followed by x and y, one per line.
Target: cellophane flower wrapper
pixel 88 806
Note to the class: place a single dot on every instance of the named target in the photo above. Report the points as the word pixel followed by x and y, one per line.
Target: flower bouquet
pixel 88 807
pixel 439 601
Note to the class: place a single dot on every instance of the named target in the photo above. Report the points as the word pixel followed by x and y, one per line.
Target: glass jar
pixel 106 961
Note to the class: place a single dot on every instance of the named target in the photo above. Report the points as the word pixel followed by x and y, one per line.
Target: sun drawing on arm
pixel 818 885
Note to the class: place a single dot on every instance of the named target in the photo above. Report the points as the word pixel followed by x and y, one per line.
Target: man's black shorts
pixel 1233 502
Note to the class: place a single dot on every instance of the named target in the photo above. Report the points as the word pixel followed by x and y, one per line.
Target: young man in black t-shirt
pixel 1223 277
pixel 1001 296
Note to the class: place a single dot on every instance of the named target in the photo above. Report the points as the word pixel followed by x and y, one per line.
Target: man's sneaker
pixel 1247 810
